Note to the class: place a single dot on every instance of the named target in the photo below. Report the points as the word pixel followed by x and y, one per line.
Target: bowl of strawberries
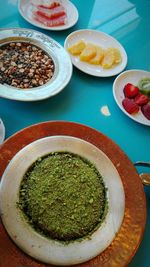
pixel 131 90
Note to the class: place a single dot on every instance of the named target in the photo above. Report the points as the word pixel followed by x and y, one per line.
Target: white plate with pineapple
pixel 96 53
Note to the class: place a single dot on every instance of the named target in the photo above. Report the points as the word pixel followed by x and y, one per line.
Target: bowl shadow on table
pixel 92 79
pixel 62 100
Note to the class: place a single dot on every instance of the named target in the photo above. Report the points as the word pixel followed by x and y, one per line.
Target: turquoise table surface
pixel 82 99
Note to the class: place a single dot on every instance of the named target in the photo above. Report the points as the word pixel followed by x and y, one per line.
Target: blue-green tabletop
pixel 83 98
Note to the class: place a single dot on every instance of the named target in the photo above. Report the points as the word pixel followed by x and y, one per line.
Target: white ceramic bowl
pixel 62 62
pixel 38 246
pixel 101 39
pixel 25 9
pixel 129 76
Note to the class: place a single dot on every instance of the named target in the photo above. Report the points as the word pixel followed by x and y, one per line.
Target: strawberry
pixel 130 90
pixel 141 99
pixel 146 110
pixel 130 106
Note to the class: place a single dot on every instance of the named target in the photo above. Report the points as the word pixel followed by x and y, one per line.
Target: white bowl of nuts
pixel 32 65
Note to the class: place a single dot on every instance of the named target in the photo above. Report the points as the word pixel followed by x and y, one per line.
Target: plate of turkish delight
pixel 48 14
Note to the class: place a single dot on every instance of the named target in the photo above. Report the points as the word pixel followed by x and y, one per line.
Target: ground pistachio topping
pixel 63 196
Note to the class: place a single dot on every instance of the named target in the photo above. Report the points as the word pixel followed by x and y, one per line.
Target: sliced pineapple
pixel 98 57
pixel 109 59
pixel 88 53
pixel 77 48
pixel 95 54
pixel 112 56
pixel 117 55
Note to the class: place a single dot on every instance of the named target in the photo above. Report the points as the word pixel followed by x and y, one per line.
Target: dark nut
pixel 24 65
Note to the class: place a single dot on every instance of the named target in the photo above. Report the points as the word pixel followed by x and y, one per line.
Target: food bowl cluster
pixel 70 189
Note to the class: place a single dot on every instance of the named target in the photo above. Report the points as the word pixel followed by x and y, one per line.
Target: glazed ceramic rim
pixel 71 8
pixel 101 38
pixel 2 131
pixel 34 244
pixel 62 62
pixel 129 76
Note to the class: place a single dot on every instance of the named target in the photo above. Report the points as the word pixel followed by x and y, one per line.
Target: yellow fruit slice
pixel 109 59
pixel 117 54
pixel 88 52
pixel 111 56
pixel 77 48
pixel 98 57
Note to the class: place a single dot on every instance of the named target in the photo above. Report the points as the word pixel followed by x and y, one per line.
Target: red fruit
pixel 146 110
pixel 130 106
pixel 130 90
pixel 141 99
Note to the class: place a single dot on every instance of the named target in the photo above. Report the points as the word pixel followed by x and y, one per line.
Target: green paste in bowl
pixel 63 196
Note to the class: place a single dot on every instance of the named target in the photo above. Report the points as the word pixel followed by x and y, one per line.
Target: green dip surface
pixel 63 196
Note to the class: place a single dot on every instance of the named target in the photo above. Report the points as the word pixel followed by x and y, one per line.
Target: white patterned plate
pixel 62 62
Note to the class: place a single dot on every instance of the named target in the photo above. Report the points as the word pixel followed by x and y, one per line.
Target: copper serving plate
pixel 128 239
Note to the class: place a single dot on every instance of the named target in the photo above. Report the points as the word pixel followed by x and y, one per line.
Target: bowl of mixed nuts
pixel 32 65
